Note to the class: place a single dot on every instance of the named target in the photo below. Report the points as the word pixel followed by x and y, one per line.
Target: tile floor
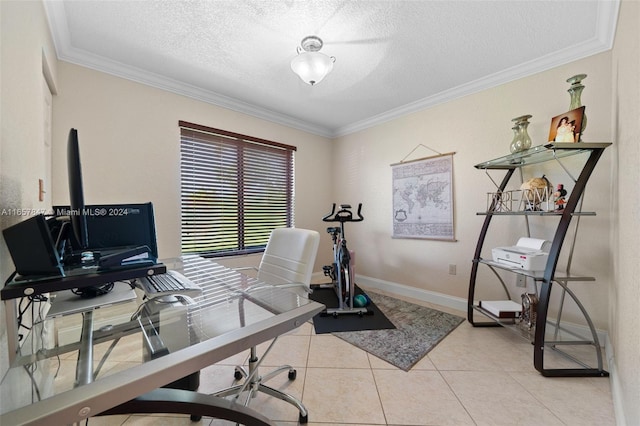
pixel 475 376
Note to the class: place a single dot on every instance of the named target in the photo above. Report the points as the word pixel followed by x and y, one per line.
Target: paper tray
pixel 501 308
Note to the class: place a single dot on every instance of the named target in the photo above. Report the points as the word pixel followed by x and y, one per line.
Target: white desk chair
pixel 288 261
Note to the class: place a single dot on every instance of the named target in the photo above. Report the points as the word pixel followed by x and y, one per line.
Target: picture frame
pixel 566 128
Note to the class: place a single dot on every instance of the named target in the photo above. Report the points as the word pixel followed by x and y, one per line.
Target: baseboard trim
pixel 423 295
pixel 616 387
pixel 452 302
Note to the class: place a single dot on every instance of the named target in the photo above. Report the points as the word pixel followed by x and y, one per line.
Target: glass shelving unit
pixel 544 279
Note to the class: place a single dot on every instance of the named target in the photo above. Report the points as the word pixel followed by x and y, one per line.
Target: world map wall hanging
pixel 423 198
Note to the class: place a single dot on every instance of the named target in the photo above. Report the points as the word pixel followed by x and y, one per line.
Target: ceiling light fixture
pixel 311 65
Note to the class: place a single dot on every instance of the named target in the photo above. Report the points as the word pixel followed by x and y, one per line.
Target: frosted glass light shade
pixel 312 67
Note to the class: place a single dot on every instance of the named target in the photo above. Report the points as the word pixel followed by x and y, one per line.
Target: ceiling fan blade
pixel 375 40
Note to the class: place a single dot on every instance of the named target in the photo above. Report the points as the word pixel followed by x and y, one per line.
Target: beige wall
pixel 478 128
pixel 624 315
pixel 25 47
pixel 129 140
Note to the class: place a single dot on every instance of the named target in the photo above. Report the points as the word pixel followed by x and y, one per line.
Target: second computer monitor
pixel 117 226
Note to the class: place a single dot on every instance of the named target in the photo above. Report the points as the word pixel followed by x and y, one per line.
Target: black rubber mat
pixel 374 319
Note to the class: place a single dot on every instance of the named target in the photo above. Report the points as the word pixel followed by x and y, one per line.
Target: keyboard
pixel 170 283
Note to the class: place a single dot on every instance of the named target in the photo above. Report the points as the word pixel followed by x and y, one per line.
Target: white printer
pixel 530 254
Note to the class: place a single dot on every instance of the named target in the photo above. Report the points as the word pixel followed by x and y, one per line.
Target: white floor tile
pixel 335 395
pixel 475 376
pixel 419 398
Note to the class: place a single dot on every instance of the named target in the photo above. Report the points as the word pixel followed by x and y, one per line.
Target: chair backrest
pixel 289 256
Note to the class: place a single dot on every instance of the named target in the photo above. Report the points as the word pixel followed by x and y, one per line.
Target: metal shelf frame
pixel 546 279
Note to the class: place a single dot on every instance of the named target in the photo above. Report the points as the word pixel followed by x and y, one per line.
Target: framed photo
pixel 566 127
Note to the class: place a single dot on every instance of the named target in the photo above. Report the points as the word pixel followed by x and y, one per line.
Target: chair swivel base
pixel 261 387
pixel 254 383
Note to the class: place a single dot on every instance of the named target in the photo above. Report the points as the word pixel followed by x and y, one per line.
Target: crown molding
pixel 157 81
pixel 66 52
pixel 607 16
pixel 180 88
pixel 605 33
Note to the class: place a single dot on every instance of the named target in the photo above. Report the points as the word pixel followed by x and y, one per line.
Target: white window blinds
pixel 235 189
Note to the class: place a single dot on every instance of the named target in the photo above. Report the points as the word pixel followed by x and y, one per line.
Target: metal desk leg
pixel 11 316
pixel 84 367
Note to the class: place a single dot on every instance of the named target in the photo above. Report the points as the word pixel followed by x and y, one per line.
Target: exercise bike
pixel 341 271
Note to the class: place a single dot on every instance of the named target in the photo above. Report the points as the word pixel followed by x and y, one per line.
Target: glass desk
pixel 163 343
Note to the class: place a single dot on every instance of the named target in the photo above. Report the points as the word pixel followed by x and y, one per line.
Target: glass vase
pixel 521 139
pixel 575 91
pixel 525 138
pixel 516 145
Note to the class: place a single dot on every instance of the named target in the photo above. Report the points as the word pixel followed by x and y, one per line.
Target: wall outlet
pixel 452 269
pixel 521 280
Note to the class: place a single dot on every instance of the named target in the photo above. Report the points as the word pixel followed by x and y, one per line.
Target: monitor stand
pixel 117 259
pixel 102 259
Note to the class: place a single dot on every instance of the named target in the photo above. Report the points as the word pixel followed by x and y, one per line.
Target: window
pixel 235 189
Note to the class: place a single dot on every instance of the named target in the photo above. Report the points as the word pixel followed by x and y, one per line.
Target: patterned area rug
pixel 418 330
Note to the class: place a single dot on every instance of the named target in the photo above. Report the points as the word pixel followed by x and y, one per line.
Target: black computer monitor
pixel 78 217
pixel 76 193
pixel 113 227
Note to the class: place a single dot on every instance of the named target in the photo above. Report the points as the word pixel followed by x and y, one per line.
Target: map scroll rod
pixel 440 154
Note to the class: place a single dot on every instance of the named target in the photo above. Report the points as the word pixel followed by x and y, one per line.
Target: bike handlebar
pixel 344 214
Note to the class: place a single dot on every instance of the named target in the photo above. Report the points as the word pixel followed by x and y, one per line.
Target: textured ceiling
pixel 392 57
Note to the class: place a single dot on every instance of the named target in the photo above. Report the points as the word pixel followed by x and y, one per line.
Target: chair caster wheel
pixel 237 375
pixel 303 419
pixel 293 374
pixel 195 418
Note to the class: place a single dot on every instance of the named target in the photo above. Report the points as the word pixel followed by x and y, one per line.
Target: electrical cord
pixel 137 312
pixel 55 376
pixel 35 387
pixel 30 369
pixel 21 313
pixel 40 319
pixel 90 292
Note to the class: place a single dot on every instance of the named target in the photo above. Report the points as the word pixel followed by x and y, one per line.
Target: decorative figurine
pixel 529 309
pixel 559 197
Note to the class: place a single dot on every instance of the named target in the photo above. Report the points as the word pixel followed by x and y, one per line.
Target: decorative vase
pixel 526 139
pixel 575 90
pixel 516 145
pixel 521 139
